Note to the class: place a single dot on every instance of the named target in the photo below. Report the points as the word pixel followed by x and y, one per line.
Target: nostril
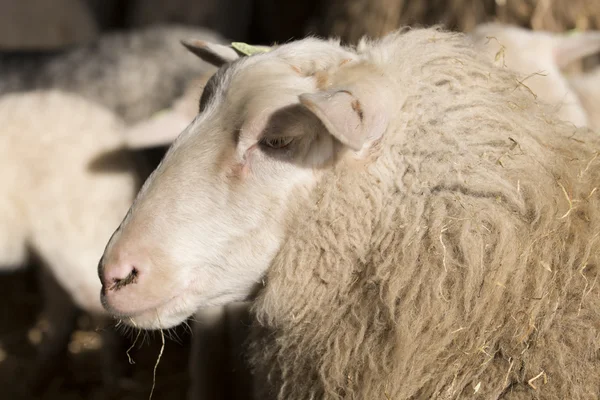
pixel 119 283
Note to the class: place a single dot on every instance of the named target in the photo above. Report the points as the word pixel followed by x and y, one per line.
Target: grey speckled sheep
pixel 416 224
pixel 135 74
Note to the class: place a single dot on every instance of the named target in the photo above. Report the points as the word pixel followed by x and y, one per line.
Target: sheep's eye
pixel 277 142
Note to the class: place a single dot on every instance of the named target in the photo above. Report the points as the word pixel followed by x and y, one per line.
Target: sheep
pixel 407 220
pixel 587 88
pixel 67 184
pixel 132 73
pixel 541 57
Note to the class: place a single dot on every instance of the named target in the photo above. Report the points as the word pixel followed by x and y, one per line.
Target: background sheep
pixel 161 128
pixel 541 58
pixel 134 74
pixel 62 200
pixel 587 88
pixel 451 227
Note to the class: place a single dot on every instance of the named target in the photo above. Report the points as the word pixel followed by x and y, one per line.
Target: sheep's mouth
pixel 176 310
pixel 173 310
pixel 168 314
pixel 156 311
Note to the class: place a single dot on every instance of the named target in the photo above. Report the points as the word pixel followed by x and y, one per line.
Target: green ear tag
pixel 247 49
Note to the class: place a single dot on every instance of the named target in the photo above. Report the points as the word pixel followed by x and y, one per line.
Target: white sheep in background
pixel 66 184
pixel 587 88
pixel 50 182
pixel 540 58
pixel 415 223
pixel 160 129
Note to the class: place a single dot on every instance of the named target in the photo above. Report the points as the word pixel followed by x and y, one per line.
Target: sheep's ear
pixel 576 46
pixel 218 54
pixel 355 113
pixel 213 53
pixel 158 131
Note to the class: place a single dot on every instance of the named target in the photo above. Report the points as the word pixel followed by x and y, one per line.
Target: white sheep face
pixel 207 223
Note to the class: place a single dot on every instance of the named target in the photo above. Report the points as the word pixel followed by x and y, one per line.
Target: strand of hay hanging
pixel 351 19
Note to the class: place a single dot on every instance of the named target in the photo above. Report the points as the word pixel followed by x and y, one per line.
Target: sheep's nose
pixel 117 275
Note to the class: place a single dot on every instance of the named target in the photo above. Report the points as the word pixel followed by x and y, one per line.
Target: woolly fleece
pixel 460 260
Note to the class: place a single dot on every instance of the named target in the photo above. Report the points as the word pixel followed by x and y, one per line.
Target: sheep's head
pixel 207 223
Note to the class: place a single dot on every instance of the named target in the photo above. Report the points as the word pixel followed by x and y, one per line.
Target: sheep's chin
pixel 165 316
pixel 175 311
pixel 155 319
